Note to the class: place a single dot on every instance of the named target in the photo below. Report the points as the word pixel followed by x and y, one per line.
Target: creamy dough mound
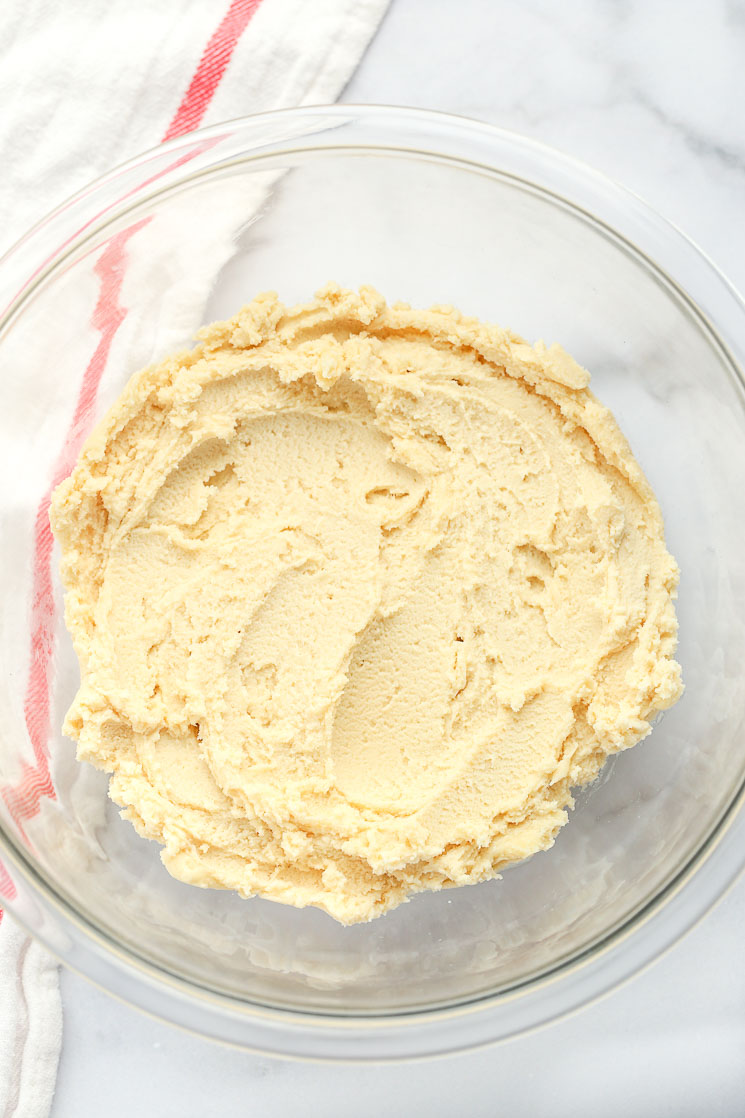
pixel 359 593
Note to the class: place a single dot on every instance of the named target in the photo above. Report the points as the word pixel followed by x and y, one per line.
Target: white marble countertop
pixel 651 93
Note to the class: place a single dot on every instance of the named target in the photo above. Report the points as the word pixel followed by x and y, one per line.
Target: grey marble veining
pixel 651 92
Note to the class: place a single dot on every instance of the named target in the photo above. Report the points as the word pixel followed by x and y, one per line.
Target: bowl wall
pixel 191 233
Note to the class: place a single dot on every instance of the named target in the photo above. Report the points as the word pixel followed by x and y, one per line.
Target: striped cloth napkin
pixel 85 85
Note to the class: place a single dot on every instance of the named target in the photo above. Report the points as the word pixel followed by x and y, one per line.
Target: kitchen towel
pixel 30 1024
pixel 85 86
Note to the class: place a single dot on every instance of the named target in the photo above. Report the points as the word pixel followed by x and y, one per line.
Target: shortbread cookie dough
pixel 359 594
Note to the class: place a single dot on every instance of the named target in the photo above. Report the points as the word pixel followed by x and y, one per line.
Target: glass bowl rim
pixel 387 1034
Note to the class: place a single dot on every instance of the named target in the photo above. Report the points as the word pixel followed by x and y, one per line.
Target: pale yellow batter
pixel 359 593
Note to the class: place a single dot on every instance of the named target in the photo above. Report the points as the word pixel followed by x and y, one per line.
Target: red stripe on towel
pixel 23 800
pixel 212 66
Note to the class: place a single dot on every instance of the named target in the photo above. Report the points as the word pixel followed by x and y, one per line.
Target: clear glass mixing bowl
pixel 428 208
